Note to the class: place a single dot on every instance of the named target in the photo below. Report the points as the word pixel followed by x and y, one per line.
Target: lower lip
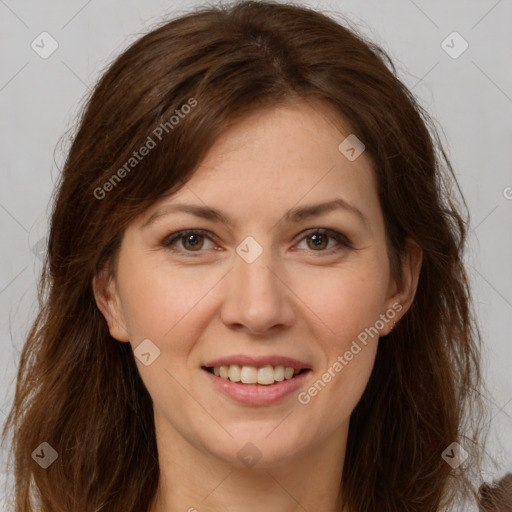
pixel 257 394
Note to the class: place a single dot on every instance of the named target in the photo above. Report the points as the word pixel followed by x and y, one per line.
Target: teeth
pixel 252 375
pixel 234 373
pixel 249 375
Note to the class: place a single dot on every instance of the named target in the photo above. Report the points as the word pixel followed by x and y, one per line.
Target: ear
pixel 107 300
pixel 403 293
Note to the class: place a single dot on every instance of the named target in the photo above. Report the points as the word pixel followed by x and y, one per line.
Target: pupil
pixel 192 243
pixel 317 239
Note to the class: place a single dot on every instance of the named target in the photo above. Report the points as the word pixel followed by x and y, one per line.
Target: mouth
pixel 252 386
pixel 263 376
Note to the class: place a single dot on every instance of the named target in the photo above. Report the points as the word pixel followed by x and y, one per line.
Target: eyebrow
pixel 293 216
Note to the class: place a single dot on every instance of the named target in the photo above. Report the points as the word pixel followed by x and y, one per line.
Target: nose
pixel 256 297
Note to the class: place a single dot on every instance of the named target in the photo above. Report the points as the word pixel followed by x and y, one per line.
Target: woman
pixel 255 296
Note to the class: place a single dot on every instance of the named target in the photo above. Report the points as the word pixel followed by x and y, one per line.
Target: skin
pixel 296 299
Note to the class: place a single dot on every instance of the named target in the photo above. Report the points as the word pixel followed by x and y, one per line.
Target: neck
pixel 198 481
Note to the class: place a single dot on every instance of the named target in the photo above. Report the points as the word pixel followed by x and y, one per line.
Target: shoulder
pixel 496 497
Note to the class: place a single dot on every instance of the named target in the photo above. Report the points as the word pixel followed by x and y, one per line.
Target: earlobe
pixel 107 300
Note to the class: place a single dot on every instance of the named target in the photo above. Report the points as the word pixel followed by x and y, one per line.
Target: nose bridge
pixel 257 297
pixel 253 273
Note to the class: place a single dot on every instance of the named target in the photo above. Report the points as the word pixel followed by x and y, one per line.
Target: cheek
pixel 349 346
pixel 157 299
pixel 345 300
pixel 346 304
pixel 338 390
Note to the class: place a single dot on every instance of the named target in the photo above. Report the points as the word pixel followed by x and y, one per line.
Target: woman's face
pixel 262 284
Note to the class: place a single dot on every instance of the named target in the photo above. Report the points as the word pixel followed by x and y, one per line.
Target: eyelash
pixel 339 237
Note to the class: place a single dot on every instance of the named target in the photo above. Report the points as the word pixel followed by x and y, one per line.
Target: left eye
pixel 191 240
pixel 189 237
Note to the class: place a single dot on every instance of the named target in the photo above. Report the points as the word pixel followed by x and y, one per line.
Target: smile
pixel 267 375
pixel 256 386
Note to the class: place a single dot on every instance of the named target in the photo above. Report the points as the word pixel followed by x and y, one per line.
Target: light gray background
pixel 470 96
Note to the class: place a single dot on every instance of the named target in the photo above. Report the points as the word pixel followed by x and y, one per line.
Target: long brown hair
pixel 79 390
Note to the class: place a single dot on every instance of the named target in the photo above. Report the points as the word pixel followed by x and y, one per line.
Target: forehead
pixel 276 159
pixel 296 144
pixel 302 126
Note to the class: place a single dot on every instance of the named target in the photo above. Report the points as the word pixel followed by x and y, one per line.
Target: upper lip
pixel 258 362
